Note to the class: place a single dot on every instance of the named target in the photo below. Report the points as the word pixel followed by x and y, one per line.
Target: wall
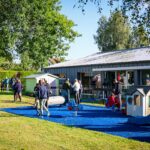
pixel 30 84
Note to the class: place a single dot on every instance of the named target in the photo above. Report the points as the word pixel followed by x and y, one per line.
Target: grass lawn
pixel 18 132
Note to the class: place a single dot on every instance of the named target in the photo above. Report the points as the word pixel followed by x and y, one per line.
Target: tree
pixel 114 33
pixel 34 28
pixel 139 9
pixel 139 37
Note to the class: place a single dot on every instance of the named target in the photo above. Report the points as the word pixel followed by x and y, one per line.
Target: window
pixel 137 100
pixel 145 73
pixel 129 100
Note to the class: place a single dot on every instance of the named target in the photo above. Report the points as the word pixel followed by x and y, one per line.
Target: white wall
pixel 135 110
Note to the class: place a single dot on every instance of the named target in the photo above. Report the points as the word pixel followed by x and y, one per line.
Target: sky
pixel 86 25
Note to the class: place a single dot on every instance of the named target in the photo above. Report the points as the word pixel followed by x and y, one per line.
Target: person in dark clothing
pixel 2 85
pixel 17 90
pixel 105 87
pixel 118 91
pixel 49 92
pixel 43 95
pixel 36 89
pixel 66 90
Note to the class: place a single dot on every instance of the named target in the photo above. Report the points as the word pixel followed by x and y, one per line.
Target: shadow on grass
pixel 6 92
pixel 17 102
pixel 142 139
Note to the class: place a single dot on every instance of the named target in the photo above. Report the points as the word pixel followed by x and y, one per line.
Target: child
pixel 111 100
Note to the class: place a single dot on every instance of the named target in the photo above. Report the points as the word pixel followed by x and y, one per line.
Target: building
pixel 33 79
pixel 132 65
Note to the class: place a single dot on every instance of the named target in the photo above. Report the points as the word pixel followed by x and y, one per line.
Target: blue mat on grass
pixel 91 117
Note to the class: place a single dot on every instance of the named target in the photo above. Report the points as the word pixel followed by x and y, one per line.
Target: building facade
pixel 132 66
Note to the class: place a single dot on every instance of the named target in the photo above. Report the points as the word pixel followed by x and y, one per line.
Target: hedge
pixel 10 74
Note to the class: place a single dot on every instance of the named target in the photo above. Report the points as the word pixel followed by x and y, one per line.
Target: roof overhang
pixel 121 68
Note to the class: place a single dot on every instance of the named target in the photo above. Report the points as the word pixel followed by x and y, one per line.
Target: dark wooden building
pixel 131 65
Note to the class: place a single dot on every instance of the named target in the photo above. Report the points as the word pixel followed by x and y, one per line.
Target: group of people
pixel 76 87
pixel 42 92
pixel 7 83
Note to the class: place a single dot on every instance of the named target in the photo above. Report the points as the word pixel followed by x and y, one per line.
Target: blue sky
pixel 86 25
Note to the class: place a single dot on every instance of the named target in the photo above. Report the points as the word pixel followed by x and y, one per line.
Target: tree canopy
pixel 137 10
pixel 113 33
pixel 34 30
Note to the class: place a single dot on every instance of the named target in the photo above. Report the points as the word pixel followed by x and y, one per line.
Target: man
pixel 76 88
pixel 66 90
pixel 43 95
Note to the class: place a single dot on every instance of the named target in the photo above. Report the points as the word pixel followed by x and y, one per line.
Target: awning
pixel 122 68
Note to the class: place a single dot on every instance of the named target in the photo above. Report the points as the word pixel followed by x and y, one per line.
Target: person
pixel 80 90
pixel 118 91
pixel 147 80
pixel 7 84
pixel 49 92
pixel 76 88
pixel 17 90
pixel 111 100
pixel 66 90
pixel 36 89
pixel 2 85
pixel 105 87
pixel 42 95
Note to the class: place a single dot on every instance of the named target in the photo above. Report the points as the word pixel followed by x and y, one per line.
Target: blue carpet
pixel 92 118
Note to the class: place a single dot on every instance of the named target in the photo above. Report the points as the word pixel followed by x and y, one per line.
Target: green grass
pixel 94 102
pixel 22 133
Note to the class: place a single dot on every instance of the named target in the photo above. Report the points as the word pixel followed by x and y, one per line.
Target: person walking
pixel 43 95
pixel 17 90
pixel 76 88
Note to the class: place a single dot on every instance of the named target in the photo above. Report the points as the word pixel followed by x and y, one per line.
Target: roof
pixel 141 89
pixel 40 76
pixel 120 56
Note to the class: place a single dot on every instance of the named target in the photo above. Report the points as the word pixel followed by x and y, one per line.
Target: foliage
pixel 114 33
pixel 137 10
pixel 10 74
pixel 139 37
pixel 35 30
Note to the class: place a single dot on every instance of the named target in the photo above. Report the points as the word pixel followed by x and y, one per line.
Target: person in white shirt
pixel 76 88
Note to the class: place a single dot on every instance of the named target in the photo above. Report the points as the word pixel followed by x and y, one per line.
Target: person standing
pixel 43 95
pixel 17 90
pixel 118 91
pixel 80 90
pixel 49 92
pixel 36 89
pixel 66 90
pixel 76 88
pixel 148 80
